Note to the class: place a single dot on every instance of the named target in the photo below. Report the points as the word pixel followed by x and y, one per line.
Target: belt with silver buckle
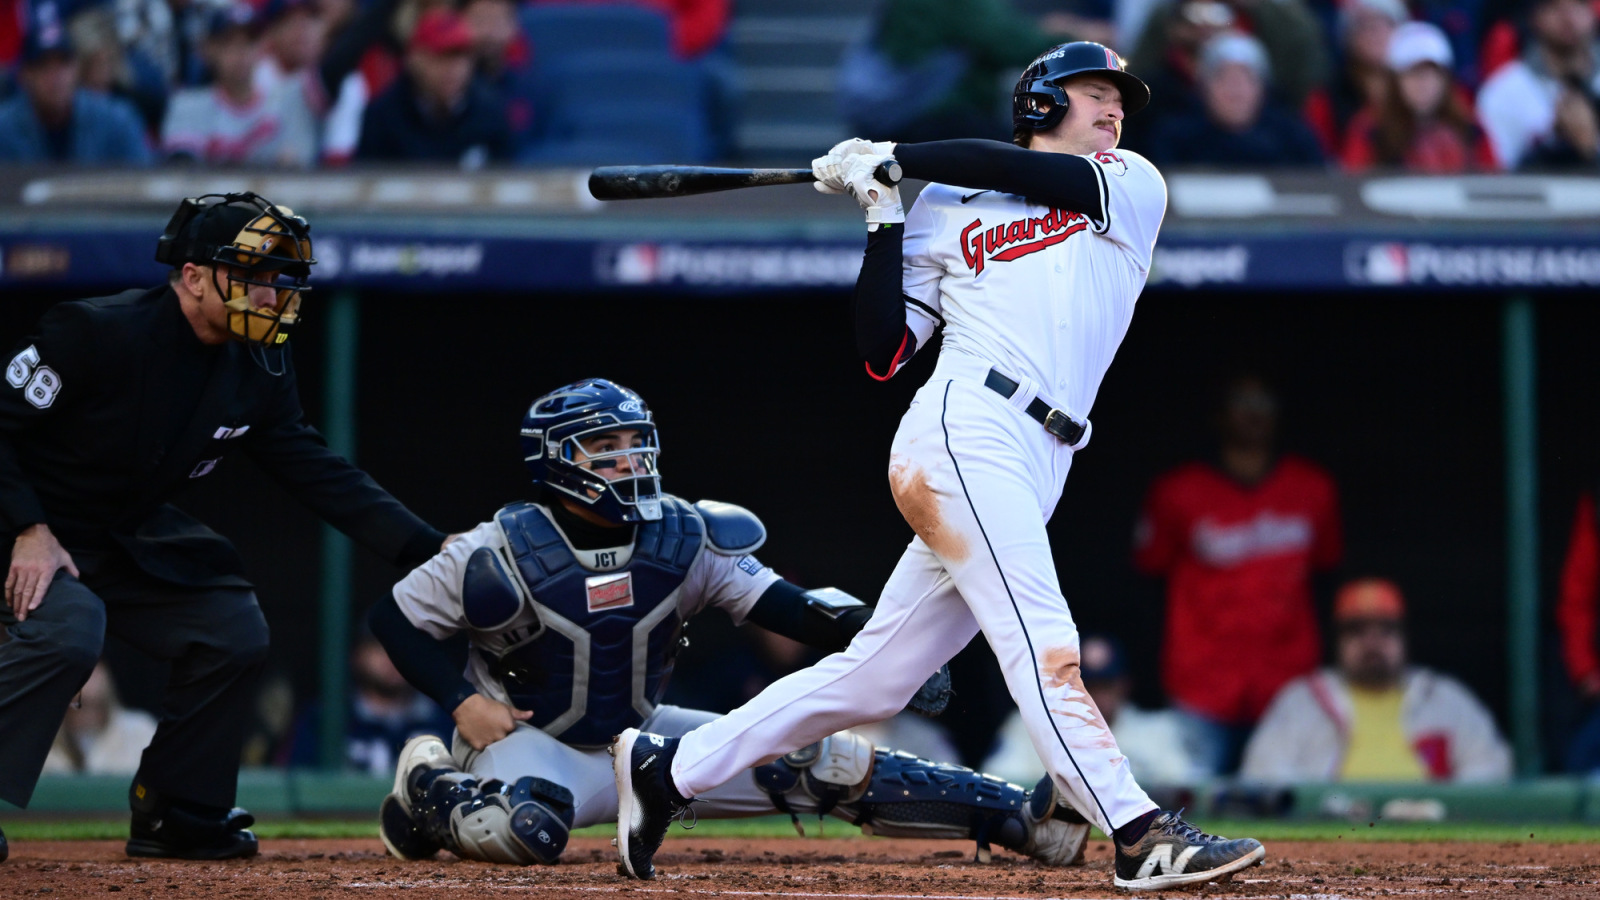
pixel 1054 420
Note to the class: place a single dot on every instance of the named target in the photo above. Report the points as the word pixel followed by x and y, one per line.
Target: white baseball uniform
pixel 1044 296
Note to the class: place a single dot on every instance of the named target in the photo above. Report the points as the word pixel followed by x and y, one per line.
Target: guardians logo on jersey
pixel 1018 238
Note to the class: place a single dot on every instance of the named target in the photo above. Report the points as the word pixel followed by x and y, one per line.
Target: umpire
pixel 109 407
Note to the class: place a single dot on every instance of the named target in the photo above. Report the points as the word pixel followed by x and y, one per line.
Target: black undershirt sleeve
pixel 783 610
pixel 1060 180
pixel 882 338
pixel 432 666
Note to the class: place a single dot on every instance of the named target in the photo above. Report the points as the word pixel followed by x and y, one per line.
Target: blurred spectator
pixel 933 69
pixel 1237 540
pixel 361 62
pixel 498 45
pixel 107 67
pixel 1365 29
pixel 1578 621
pixel 1167 56
pixel 1423 124
pixel 1464 25
pixel 1371 717
pixel 235 121
pixel 697 25
pixel 294 36
pixel 385 712
pixel 1541 109
pixel 1236 127
pixel 99 735
pixel 168 33
pixel 53 120
pixel 502 56
pixel 1152 740
pixel 437 110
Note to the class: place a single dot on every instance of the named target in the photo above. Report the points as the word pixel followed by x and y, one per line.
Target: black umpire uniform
pixel 110 406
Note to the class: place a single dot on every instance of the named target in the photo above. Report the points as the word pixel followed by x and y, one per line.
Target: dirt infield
pixel 847 869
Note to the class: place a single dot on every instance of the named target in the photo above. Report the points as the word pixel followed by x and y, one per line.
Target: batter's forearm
pixel 1060 180
pixel 882 339
pixel 783 609
pixel 432 666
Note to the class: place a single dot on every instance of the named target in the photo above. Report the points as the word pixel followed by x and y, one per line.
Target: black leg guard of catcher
pixel 896 794
pixel 522 823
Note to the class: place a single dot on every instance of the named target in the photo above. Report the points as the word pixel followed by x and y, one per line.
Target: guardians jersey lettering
pixel 1043 293
pixel 975 247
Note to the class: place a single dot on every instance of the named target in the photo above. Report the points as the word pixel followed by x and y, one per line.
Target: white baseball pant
pixel 588 773
pixel 976 479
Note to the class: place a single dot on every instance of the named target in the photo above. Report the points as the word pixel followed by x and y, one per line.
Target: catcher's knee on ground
pixel 525 822
pixel 896 794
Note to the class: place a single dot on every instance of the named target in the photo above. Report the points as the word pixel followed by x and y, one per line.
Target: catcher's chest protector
pixel 604 649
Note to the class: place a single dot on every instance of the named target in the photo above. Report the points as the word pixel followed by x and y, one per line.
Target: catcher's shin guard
pixel 896 794
pixel 522 823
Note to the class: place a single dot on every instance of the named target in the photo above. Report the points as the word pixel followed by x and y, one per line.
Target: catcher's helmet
pixel 552 428
pixel 1041 81
pixel 260 244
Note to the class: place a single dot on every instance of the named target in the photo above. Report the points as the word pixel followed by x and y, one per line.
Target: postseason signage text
pixel 531 230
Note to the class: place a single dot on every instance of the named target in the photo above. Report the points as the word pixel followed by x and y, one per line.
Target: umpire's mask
pixel 259 244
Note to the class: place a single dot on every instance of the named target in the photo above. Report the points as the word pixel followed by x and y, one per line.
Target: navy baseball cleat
pixel 399 827
pixel 5 849
pixel 1173 852
pixel 647 802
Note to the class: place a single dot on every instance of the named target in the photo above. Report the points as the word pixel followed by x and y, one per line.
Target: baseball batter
pixel 574 605
pixel 1031 259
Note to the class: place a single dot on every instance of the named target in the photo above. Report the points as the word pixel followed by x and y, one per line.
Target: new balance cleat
pixel 646 800
pixel 1173 853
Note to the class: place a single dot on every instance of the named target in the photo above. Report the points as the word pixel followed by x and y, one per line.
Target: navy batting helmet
pixel 553 427
pixel 1041 82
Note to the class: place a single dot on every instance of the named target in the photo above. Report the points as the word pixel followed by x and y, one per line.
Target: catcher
pixel 573 606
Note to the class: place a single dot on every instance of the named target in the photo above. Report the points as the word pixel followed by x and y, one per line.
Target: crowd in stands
pixel 1435 86
pixel 307 83
pixel 1424 85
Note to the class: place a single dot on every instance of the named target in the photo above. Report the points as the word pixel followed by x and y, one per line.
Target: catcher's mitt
pixel 934 695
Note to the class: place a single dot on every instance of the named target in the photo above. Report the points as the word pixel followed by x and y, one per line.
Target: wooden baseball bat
pixel 644 182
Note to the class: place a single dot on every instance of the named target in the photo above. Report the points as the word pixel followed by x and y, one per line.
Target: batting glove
pixel 830 170
pixel 881 201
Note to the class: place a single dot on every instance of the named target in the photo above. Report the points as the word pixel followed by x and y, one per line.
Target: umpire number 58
pixel 40 384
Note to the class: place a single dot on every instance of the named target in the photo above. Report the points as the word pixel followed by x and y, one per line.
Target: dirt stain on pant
pixel 1061 667
pixel 920 506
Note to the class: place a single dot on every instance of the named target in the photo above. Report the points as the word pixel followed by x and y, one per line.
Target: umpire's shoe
pixel 5 848
pixel 647 801
pixel 399 823
pixel 1172 852
pixel 1057 833
pixel 174 831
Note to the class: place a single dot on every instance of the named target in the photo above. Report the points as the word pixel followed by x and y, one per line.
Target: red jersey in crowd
pixel 697 25
pixel 1579 606
pixel 1238 561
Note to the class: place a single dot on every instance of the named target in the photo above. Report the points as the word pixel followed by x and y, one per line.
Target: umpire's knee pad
pixel 522 823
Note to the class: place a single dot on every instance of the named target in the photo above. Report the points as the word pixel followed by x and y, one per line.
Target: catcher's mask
pixel 556 423
pixel 1038 103
pixel 257 244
